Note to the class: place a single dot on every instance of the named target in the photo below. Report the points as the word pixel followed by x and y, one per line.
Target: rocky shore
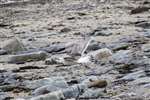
pixel 74 50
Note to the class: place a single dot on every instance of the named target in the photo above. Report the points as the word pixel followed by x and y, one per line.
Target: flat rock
pixel 53 81
pixel 27 57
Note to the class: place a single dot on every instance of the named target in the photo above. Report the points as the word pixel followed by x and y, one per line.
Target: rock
pixel 3 52
pixel 53 81
pixel 65 30
pixel 145 25
pixel 5 96
pixel 58 95
pixel 92 93
pixel 102 33
pixel 101 54
pixel 122 57
pixel 139 10
pixel 26 57
pixel 73 91
pixel 54 60
pixel 127 96
pixel 78 47
pixel 146 47
pixel 94 45
pixel 54 48
pixel 146 33
pixel 8 78
pixel 97 55
pixel 118 46
pixel 70 92
pixel 141 81
pixel 13 46
pixel 47 89
pixel 60 59
pixel 133 76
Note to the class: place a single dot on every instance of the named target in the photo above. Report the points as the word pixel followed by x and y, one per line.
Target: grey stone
pixel 118 46
pixel 4 96
pixel 100 54
pixel 70 92
pixel 122 57
pixel 92 93
pixel 47 89
pixel 77 48
pixel 3 52
pixel 97 55
pixel 58 95
pixel 53 81
pixel 60 59
pixel 133 76
pixel 102 33
pixel 13 45
pixel 145 33
pixel 141 81
pixel 146 47
pixel 26 57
